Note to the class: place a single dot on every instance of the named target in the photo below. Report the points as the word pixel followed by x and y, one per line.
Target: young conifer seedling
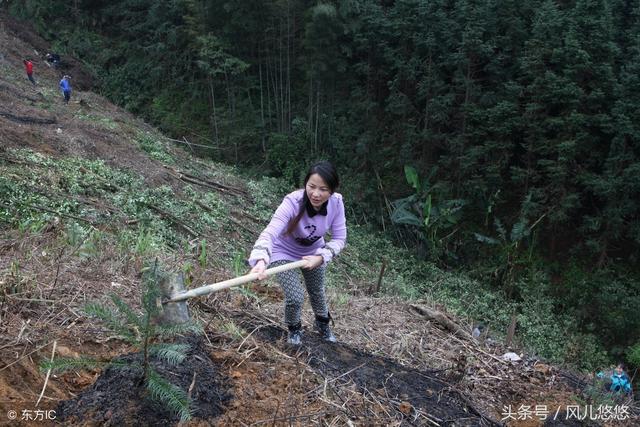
pixel 143 332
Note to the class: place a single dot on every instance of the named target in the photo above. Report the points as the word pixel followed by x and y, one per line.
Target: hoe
pixel 175 310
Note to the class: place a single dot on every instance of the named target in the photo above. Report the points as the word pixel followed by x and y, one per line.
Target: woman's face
pixel 317 190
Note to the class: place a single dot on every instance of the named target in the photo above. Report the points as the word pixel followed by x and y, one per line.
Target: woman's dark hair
pixel 328 174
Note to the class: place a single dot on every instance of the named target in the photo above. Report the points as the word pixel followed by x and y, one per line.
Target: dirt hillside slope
pixel 89 193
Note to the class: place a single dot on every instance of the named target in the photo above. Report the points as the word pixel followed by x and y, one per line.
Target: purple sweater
pixel 308 236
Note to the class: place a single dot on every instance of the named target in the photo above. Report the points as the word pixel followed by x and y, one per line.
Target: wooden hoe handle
pixel 215 287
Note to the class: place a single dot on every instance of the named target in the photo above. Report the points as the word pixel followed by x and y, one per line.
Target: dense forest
pixel 500 137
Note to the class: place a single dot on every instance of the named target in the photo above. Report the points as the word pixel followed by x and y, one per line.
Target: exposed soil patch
pixel 410 389
pixel 9 90
pixel 118 397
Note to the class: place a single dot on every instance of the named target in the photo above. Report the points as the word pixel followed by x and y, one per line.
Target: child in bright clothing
pixel 620 382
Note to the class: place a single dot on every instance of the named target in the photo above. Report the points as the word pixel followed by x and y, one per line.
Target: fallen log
pixel 441 319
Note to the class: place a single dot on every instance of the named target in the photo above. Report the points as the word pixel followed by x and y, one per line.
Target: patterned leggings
pixel 294 293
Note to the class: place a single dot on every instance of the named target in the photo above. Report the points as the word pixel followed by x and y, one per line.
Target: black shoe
pixel 322 325
pixel 295 334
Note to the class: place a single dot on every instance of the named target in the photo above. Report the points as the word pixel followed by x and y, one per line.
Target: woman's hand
pixel 260 268
pixel 313 261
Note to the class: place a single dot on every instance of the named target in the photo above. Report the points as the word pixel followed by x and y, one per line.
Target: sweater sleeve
pixel 338 235
pixel 264 245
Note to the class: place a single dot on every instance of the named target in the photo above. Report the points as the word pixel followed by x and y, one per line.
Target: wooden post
pixel 376 290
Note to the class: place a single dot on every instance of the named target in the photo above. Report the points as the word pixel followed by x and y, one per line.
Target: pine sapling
pixel 144 333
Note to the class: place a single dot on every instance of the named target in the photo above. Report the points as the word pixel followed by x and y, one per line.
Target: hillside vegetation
pixel 500 138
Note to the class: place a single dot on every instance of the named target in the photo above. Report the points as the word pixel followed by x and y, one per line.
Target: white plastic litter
pixel 511 357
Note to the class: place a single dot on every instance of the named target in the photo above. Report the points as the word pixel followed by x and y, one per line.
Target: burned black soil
pixel 118 397
pixel 409 389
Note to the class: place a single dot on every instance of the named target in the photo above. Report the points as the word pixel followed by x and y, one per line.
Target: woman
pixel 296 231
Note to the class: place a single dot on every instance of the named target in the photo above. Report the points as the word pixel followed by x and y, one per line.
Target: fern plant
pixel 144 333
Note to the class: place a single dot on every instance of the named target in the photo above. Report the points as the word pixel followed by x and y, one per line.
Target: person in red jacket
pixel 28 65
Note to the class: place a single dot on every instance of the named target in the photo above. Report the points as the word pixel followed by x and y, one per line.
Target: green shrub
pixel 285 154
pixel 633 355
pixel 604 303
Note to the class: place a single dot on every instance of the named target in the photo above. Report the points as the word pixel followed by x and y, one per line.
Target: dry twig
pixel 46 380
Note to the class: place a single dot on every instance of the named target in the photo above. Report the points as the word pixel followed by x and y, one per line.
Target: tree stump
pixel 172 313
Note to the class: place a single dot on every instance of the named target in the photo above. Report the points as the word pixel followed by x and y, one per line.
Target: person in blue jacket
pixel 65 86
pixel 620 382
